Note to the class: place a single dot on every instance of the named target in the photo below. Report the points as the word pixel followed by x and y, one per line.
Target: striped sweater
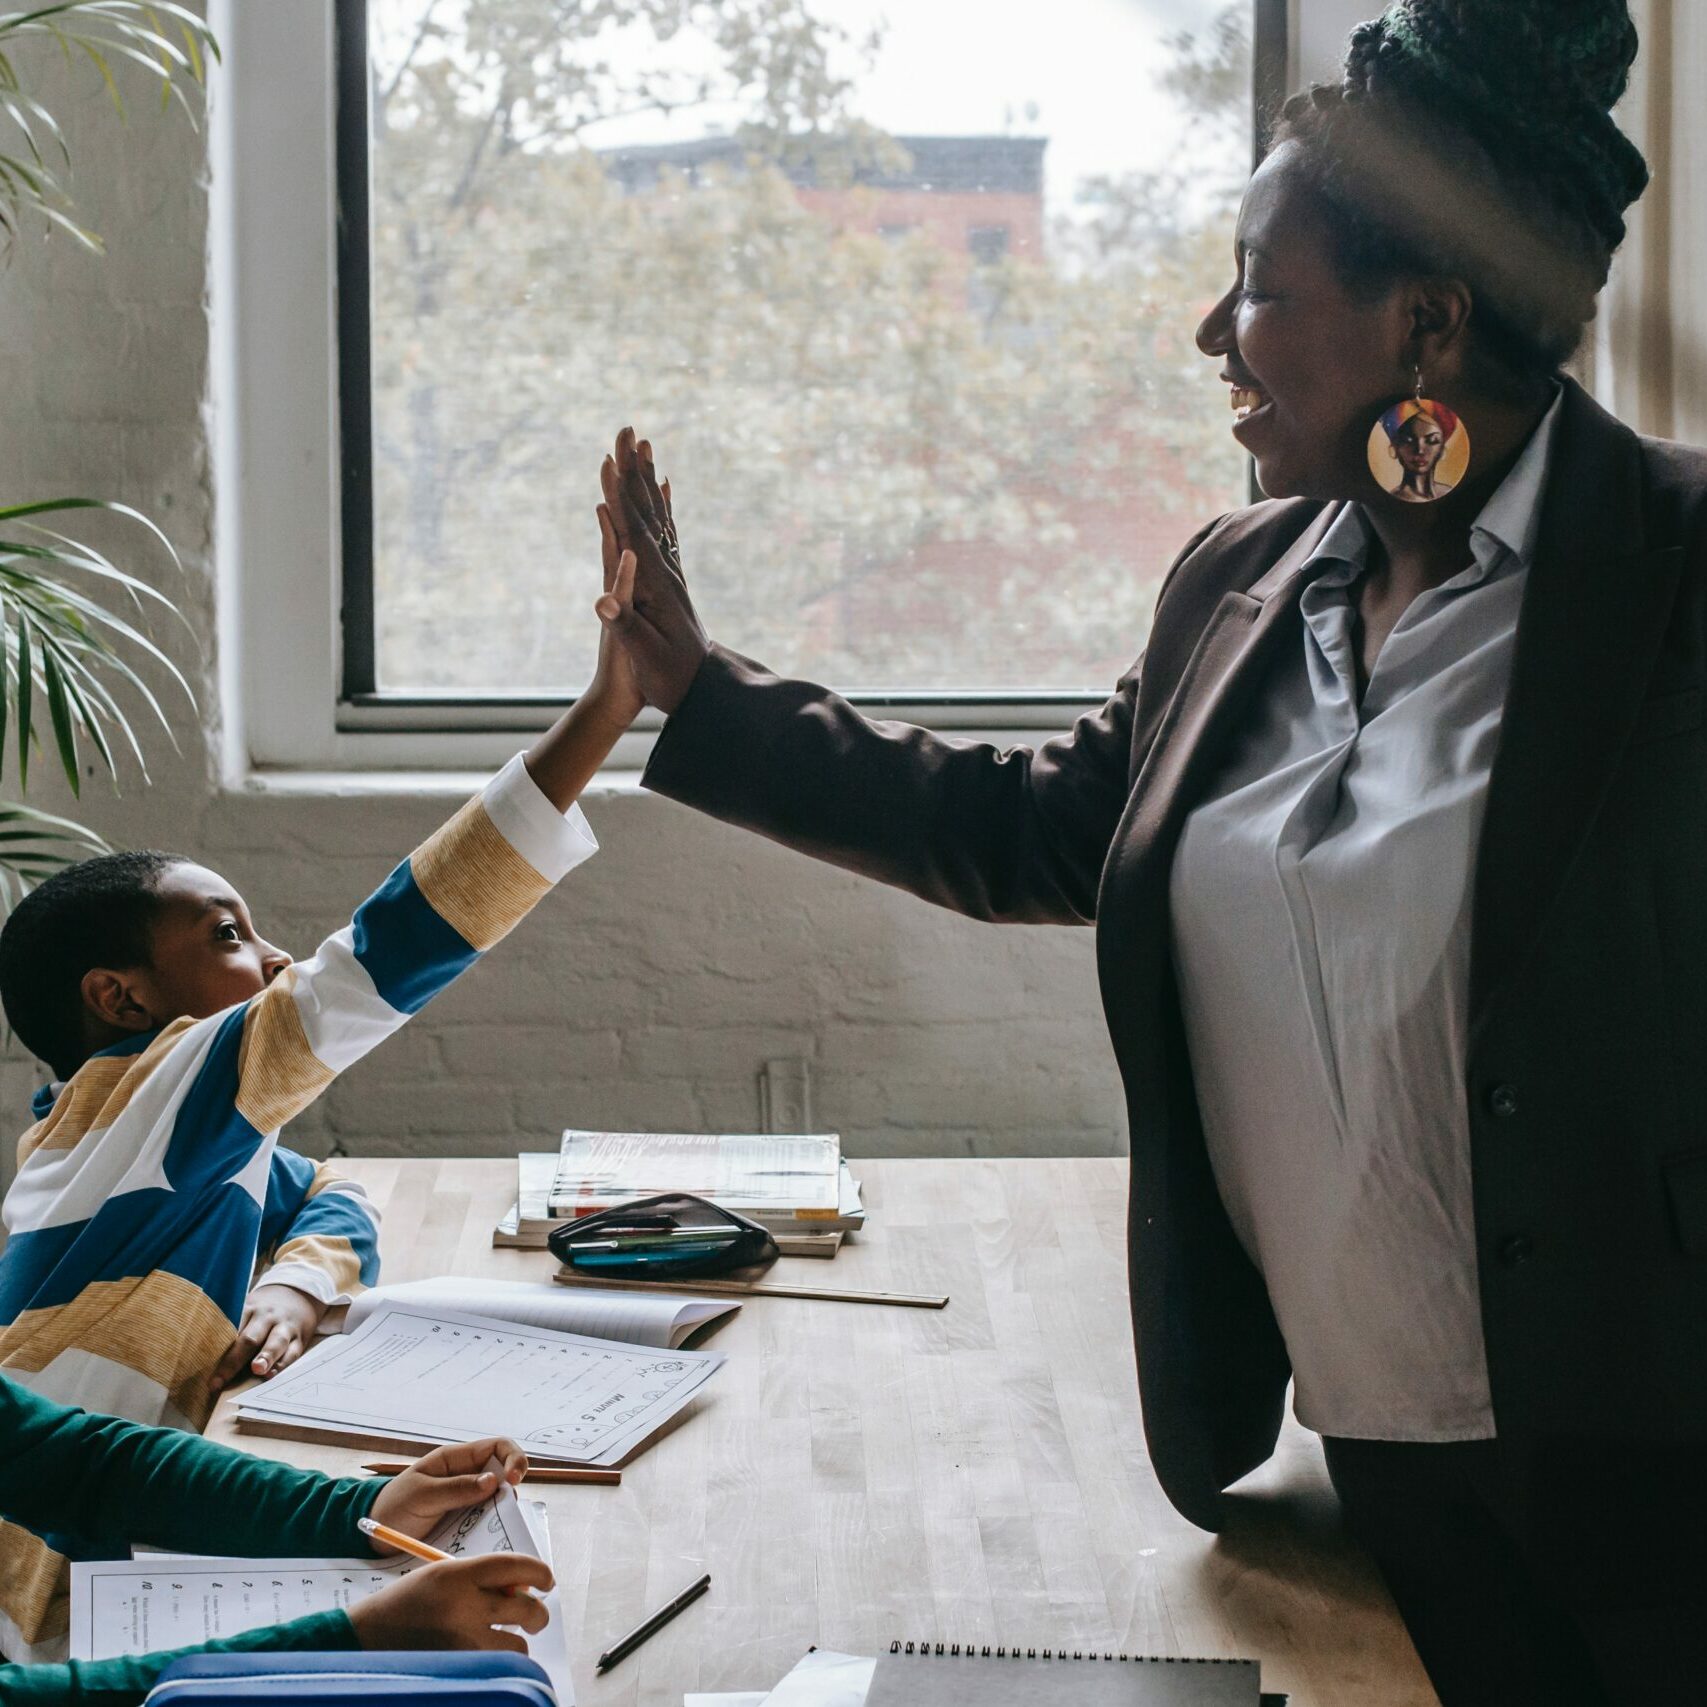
pixel 149 1188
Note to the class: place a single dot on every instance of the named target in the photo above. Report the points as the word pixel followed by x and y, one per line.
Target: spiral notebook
pixel 938 1674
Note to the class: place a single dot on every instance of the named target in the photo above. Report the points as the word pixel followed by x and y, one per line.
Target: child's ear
pixel 111 998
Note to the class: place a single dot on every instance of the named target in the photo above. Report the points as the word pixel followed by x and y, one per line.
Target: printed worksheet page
pixel 417 1373
pixel 640 1318
pixel 144 1605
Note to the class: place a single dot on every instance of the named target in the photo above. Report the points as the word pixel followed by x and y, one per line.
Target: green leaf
pixel 91 721
pixel 59 713
pixel 24 687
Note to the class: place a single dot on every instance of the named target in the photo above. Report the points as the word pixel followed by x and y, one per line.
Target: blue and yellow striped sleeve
pixel 460 892
pixel 321 1231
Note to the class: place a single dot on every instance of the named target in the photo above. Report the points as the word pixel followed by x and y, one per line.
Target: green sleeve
pixel 124 1682
pixel 103 1479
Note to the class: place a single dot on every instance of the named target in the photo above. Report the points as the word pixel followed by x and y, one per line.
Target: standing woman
pixel 1395 842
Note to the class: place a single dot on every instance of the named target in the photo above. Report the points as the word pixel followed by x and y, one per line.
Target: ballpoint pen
pixel 652 1625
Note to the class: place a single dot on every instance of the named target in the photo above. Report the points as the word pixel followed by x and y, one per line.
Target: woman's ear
pixel 1439 311
pixel 111 999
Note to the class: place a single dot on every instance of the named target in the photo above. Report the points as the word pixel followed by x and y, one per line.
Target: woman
pixel 1394 842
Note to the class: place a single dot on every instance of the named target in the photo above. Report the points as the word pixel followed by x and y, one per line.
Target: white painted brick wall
pixel 650 989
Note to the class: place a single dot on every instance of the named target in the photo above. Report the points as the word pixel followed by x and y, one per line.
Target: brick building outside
pixel 980 200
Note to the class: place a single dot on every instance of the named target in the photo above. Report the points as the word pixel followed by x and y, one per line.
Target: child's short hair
pixel 95 913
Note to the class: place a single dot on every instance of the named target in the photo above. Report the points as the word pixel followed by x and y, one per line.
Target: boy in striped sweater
pixel 181 1040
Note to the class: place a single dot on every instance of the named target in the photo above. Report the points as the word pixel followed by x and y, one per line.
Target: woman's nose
pixel 273 962
pixel 1215 330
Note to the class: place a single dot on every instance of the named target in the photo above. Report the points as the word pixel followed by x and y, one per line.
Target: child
pixel 125 1483
pixel 185 1041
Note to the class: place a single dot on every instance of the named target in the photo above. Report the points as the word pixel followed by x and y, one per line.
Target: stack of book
pixel 795 1185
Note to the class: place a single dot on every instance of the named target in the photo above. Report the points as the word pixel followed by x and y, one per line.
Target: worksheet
pixel 638 1318
pixel 413 1373
pixel 143 1605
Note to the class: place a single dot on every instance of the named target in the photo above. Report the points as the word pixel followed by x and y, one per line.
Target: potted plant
pixel 64 647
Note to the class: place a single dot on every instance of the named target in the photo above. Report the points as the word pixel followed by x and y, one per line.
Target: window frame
pixel 293 434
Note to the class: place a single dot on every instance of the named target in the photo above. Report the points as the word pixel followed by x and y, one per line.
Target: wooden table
pixel 859 1473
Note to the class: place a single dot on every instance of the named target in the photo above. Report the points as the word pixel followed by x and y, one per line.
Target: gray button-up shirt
pixel 1321 920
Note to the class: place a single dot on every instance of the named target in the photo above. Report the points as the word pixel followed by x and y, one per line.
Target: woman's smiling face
pixel 1311 366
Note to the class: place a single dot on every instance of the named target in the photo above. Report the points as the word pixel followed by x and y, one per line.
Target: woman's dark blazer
pixel 1586 1061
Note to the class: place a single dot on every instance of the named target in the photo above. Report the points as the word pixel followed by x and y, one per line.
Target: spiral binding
pixel 984 1651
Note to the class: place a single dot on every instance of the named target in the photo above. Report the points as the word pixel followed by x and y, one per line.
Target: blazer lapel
pixel 1226 664
pixel 1594 614
pixel 1213 686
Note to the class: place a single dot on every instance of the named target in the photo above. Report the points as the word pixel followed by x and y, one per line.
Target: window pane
pixel 906 308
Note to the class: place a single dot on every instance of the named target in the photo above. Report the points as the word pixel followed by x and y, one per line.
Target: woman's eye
pixel 1246 294
pixel 228 932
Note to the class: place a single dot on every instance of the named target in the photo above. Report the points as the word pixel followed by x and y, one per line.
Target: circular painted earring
pixel 1419 449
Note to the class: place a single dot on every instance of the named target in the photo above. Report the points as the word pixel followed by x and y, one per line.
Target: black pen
pixel 653 1624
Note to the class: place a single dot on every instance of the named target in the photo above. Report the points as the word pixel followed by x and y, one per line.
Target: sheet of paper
pixel 732 1698
pixel 135 1606
pixel 825 1679
pixel 549 1646
pixel 638 1318
pixel 413 1373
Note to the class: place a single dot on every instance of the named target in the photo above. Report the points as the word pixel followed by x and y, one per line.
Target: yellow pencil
pixel 408 1544
pixel 403 1543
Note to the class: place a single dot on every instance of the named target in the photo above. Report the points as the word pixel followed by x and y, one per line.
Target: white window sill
pixel 410 784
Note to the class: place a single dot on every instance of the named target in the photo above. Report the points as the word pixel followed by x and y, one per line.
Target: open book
pixel 412 1375
pixel 638 1318
pixel 164 1600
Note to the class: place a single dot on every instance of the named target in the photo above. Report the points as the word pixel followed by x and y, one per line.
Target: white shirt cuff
pixel 552 842
pixel 305 1277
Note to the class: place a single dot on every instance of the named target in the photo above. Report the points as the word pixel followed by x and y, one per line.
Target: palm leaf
pixel 64 647
pixel 59 711
pixel 168 42
pixel 24 688
pixel 35 844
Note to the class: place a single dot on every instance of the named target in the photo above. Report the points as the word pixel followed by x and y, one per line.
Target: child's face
pixel 207 954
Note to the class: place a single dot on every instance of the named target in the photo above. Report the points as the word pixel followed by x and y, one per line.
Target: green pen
pixel 644 1259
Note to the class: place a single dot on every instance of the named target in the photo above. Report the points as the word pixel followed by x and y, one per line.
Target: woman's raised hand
pixel 645 606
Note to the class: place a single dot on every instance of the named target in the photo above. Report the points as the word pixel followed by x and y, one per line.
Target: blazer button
pixel 1516 1249
pixel 1502 1099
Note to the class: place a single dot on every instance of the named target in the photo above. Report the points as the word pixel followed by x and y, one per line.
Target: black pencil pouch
pixel 674 1236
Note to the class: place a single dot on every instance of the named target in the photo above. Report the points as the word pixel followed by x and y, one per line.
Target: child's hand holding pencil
pixel 482 1602
pixel 447 1479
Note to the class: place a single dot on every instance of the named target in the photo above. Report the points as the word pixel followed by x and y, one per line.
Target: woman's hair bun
pixel 1534 81
pixel 1476 137
pixel 1560 50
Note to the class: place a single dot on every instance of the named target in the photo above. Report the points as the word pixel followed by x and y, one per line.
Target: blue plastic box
pixel 352 1680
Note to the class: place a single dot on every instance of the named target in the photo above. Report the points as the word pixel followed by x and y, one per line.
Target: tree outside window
pixel 934 416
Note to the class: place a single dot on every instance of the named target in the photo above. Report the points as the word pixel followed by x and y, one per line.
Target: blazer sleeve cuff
pixel 690 758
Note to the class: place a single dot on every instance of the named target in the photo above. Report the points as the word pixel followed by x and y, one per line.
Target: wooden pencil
pixel 761 1289
pixel 536 1473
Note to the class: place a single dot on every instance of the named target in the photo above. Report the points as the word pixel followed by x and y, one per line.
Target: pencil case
pixel 352 1680
pixel 632 1241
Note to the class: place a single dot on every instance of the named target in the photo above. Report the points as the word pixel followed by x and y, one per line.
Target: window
pixel 919 364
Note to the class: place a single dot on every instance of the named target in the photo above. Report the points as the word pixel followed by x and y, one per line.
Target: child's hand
pixel 613 689
pixel 278 1322
pixel 448 1479
pixel 457 1605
